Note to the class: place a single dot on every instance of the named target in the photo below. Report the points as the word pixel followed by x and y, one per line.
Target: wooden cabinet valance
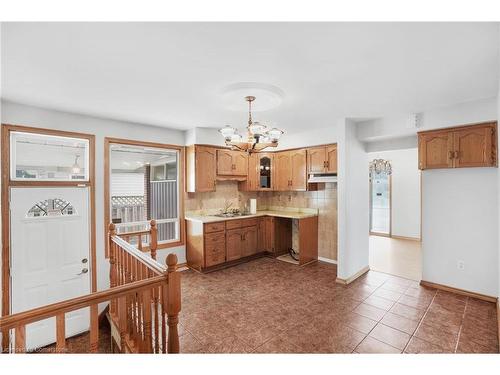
pixel 458 147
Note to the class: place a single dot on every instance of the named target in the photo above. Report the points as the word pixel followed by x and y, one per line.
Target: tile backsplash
pixel 324 199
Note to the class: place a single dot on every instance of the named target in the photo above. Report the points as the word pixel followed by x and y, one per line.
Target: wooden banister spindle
pixel 173 301
pixel 112 265
pixel 94 329
pixel 60 333
pixel 122 321
pixel 146 306
pixel 20 343
pixel 153 241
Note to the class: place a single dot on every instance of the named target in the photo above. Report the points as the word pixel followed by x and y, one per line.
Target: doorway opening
pixel 394 243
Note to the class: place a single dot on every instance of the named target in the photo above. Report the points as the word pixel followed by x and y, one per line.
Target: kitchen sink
pixel 231 214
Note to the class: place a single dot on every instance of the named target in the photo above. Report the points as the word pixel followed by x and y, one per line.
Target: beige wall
pixel 325 200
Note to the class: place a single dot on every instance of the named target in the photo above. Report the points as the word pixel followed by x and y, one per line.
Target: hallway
pixel 397 257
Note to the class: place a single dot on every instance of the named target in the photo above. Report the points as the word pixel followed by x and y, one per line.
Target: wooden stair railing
pixel 142 292
pixel 146 327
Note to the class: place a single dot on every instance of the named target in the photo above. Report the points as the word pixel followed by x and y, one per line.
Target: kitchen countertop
pixel 284 212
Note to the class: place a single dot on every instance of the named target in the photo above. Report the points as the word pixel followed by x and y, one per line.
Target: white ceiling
pixel 172 74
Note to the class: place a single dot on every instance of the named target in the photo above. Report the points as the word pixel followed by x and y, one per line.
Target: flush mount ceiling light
pixel 258 136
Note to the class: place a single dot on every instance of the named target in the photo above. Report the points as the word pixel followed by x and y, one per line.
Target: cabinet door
pixel 205 159
pixel 249 241
pixel 233 244
pixel 298 161
pixel 436 150
pixel 316 159
pixel 269 234
pixel 282 175
pixel 473 147
pixel 261 235
pixel 240 163
pixel 224 162
pixel 331 159
pixel 252 181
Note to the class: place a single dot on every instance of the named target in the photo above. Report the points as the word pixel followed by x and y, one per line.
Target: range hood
pixel 322 177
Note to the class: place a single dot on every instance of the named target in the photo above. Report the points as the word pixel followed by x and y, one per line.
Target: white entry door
pixel 50 255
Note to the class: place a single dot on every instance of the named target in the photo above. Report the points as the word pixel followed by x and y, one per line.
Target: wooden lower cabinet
pixel 249 241
pixel 233 244
pixel 266 234
pixel 213 244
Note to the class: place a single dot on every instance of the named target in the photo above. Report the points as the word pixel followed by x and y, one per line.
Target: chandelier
pixel 258 136
pixel 378 166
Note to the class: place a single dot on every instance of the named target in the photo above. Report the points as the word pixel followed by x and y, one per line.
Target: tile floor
pixel 268 306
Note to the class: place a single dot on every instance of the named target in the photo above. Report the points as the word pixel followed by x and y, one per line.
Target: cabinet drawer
pixel 233 224
pixel 214 227
pixel 249 222
pixel 214 238
pixel 214 247
pixel 214 258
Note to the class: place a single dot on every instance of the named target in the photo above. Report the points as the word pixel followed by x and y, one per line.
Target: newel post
pixel 153 243
pixel 173 301
pixel 112 263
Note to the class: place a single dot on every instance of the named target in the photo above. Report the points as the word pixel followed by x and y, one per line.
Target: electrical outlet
pixel 461 265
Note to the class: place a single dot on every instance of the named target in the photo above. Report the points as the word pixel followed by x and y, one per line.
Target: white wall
pixel 13 113
pixel 353 201
pixel 460 223
pixel 396 125
pixel 405 200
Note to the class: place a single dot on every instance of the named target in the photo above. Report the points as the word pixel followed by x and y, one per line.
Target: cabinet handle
pixel 451 154
pixel 456 154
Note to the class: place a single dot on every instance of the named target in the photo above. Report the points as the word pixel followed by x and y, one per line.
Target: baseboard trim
pixel 406 238
pixel 353 277
pixel 463 292
pixel 327 260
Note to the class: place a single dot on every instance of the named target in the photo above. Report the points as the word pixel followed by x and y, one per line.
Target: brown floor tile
pixel 277 345
pixel 371 345
pixel 416 302
pixel 390 336
pixel 387 294
pixel 466 346
pixel 381 303
pixel 417 346
pixel 360 323
pixel 268 306
pixel 403 324
pixel 445 340
pixel 369 311
pixel 407 311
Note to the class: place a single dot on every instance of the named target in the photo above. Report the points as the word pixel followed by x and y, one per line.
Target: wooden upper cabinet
pixel 283 164
pixel 436 150
pixel 331 159
pixel 316 158
pixel 459 147
pixel 200 168
pixel 232 163
pixel 298 170
pixel 474 147
pixel 261 172
pixel 322 159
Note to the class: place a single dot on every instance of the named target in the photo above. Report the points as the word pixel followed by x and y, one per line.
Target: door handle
pixel 84 270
